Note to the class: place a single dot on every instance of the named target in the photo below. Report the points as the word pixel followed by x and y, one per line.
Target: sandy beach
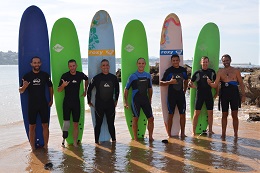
pixel 200 154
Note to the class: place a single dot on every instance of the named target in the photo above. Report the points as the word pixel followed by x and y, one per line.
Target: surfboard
pixel 171 43
pixel 208 44
pixel 134 46
pixel 101 46
pixel 65 46
pixel 33 41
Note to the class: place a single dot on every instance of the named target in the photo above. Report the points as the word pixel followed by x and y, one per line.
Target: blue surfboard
pixel 101 46
pixel 33 41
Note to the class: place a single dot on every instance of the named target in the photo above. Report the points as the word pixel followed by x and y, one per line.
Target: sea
pixel 10 107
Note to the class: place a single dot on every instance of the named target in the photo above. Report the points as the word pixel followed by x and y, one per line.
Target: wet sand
pixel 200 154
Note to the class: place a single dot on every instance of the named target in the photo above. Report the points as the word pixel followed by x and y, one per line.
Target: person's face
pixel 204 64
pixel 226 61
pixel 105 67
pixel 141 65
pixel 175 62
pixel 73 67
pixel 36 64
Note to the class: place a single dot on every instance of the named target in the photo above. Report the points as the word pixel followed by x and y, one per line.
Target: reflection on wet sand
pixel 200 154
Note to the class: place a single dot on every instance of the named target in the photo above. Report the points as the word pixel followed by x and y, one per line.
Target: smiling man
pixel 107 92
pixel 229 79
pixel 36 81
pixel 70 82
pixel 141 83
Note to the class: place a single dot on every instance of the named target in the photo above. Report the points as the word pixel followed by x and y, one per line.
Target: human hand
pixel 126 105
pixel 50 103
pixel 91 105
pixel 25 83
pixel 65 83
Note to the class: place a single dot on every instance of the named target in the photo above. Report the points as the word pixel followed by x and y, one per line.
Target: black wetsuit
pixel 107 92
pixel 71 102
pixel 229 94
pixel 204 93
pixel 176 95
pixel 37 102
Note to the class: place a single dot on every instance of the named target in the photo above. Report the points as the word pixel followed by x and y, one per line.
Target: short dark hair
pixel 139 59
pixel 104 60
pixel 35 57
pixel 204 57
pixel 226 56
pixel 72 60
pixel 175 56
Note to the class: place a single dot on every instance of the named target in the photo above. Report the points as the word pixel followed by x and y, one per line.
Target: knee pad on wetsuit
pixel 65 128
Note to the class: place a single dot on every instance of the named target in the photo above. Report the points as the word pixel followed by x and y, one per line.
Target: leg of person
pixel 210 121
pixel 75 133
pixel 45 127
pixel 136 112
pixel 99 115
pixel 32 128
pixel 44 112
pixel 181 104
pixel 110 114
pixel 32 115
pixel 76 116
pixel 66 120
pixel 147 109
pixel 235 122
pixel 210 104
pixel 225 107
pixel 234 104
pixel 171 103
pixel 195 121
pixel 198 105
pixel 150 128
pixel 135 127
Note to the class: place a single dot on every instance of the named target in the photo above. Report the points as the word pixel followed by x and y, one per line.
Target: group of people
pixel 107 93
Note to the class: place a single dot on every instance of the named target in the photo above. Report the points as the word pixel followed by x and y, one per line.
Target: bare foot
pixel 151 139
pixel 211 132
pixel 183 135
pixel 75 144
pixel 223 137
pixel 193 134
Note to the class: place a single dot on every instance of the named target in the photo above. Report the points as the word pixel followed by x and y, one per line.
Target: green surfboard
pixel 65 46
pixel 134 46
pixel 208 44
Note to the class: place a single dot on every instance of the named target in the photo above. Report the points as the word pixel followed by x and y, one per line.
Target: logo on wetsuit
pixel 37 81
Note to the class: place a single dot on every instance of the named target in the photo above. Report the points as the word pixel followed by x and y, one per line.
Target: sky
pixel 238 22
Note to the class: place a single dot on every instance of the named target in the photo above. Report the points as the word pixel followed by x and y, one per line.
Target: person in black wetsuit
pixel 107 92
pixel 70 82
pixel 176 78
pixel 230 78
pixel 203 94
pixel 141 83
pixel 36 81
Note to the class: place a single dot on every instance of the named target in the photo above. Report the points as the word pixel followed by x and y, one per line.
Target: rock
pixel 252 87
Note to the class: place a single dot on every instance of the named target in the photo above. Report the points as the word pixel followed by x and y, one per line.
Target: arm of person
pixel 166 83
pixel 85 88
pixel 185 85
pixel 63 85
pixel 125 98
pixel 216 82
pixel 25 85
pixel 89 92
pixel 51 96
pixel 191 84
pixel 150 94
pixel 117 91
pixel 241 84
